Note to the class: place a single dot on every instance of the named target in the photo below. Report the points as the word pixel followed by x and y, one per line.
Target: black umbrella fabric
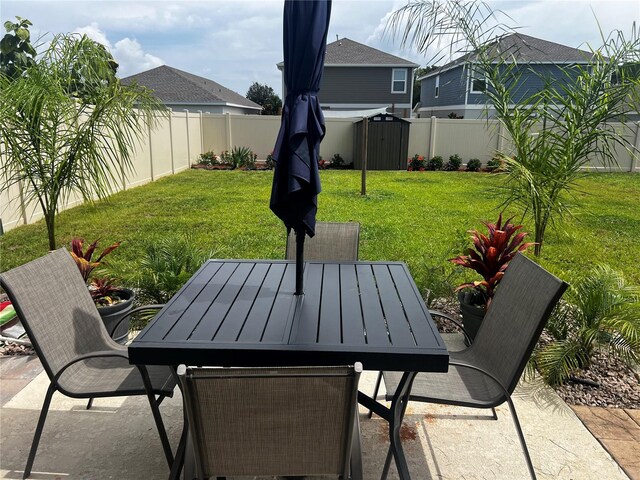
pixel 296 182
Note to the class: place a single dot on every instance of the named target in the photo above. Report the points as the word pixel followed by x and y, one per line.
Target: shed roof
pixel 171 85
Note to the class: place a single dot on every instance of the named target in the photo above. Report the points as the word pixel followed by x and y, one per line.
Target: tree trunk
pixel 50 220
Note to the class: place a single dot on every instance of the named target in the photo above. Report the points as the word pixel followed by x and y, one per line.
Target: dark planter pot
pixel 472 313
pixel 113 313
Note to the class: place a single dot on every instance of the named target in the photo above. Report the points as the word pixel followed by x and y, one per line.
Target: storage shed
pixel 388 143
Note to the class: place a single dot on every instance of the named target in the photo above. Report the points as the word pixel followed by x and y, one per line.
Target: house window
pixel 399 80
pixel 437 86
pixel 478 82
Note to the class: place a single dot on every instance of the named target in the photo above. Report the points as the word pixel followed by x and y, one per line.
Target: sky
pixel 236 43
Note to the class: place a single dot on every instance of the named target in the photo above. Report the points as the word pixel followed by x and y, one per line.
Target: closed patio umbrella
pixel 296 182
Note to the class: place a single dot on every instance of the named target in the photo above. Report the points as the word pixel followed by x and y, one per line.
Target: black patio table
pixel 243 313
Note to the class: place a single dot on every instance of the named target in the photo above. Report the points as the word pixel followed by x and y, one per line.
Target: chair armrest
pixel 131 312
pixel 86 356
pixel 484 372
pixel 456 322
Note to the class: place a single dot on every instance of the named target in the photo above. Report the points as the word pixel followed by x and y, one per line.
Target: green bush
pixel 239 157
pixel 453 164
pixel 601 313
pixel 435 163
pixel 416 163
pixel 271 161
pixel 474 165
pixel 209 158
pixel 495 164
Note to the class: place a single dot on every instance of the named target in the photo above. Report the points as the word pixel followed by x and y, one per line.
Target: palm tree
pixel 601 312
pixel 67 125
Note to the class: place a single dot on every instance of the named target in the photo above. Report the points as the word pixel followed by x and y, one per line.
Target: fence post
pixel 201 132
pixel 365 144
pixel 186 112
pixel 173 170
pixel 636 152
pixel 150 151
pixel 229 137
pixel 432 138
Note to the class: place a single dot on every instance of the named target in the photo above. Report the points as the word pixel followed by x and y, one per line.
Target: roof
pixel 171 85
pixel 346 52
pixel 524 49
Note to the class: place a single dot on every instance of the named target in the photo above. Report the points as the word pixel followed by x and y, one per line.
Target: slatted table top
pixel 245 313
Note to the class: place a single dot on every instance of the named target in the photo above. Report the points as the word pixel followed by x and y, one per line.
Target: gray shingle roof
pixel 171 85
pixel 349 52
pixel 526 49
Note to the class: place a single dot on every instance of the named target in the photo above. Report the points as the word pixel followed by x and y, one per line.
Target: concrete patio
pixel 117 438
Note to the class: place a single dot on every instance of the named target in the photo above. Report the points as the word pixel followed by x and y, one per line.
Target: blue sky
pixel 236 43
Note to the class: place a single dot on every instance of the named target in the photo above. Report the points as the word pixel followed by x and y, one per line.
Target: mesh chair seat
pixel 332 241
pixel 459 386
pixel 113 376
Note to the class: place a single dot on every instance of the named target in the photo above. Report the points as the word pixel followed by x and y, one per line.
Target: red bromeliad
pixel 83 259
pixel 491 255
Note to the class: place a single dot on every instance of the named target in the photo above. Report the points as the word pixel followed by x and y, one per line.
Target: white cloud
pixel 126 51
pixel 132 58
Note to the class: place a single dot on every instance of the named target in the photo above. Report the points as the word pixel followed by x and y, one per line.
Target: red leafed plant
pixel 491 254
pixel 84 258
pixel 103 292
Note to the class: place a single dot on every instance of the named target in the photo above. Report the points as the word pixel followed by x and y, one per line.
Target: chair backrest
pixel 332 241
pixel 56 309
pixel 514 321
pixel 271 421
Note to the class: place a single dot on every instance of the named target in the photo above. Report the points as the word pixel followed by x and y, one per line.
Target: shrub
pixel 271 161
pixel 602 313
pixel 209 159
pixel 337 161
pixel 435 163
pixel 416 163
pixel 495 164
pixel 453 164
pixel 474 165
pixel 239 157
pixel 322 163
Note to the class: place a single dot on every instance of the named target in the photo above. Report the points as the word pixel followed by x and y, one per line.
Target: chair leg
pixel 523 444
pixel 375 391
pixel 495 414
pixel 89 403
pixel 166 446
pixel 356 452
pixel 38 433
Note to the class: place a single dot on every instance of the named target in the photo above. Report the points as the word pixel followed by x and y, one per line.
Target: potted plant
pixel 112 302
pixel 489 256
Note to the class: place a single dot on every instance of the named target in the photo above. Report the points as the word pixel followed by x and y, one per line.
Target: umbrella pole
pixel 300 261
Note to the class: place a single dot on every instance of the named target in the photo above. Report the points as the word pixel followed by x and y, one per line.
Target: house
pixel 180 90
pixel 455 90
pixel 360 80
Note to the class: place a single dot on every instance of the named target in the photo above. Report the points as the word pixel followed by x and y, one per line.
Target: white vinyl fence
pixel 179 140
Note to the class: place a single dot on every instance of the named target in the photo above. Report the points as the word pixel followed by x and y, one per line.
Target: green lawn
pixel 420 218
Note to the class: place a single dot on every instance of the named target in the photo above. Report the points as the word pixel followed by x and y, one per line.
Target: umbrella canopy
pixel 296 182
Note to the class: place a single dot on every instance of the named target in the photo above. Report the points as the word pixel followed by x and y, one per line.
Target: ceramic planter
pixel 113 313
pixel 472 313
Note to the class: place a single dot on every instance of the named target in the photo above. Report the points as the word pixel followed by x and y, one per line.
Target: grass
pixel 420 218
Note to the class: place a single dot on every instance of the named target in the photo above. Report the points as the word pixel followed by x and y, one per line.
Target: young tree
pixel 68 125
pixel 554 131
pixel 16 52
pixel 264 96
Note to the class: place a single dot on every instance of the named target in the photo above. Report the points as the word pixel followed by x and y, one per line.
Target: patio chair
pixel 80 358
pixel 287 421
pixel 332 241
pixel 485 374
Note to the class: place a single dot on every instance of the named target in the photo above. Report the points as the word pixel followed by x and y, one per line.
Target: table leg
pixel 394 416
